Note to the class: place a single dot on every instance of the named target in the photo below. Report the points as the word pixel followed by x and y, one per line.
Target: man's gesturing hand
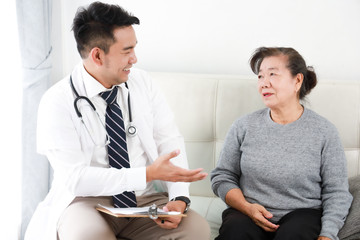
pixel 163 169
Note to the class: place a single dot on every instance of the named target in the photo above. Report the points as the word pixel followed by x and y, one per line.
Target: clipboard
pixel 152 212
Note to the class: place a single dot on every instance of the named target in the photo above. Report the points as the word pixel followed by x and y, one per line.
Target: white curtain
pixel 34 22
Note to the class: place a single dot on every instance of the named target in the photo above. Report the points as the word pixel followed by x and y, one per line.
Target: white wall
pixel 212 36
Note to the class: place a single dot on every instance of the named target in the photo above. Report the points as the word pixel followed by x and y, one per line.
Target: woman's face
pixel 278 88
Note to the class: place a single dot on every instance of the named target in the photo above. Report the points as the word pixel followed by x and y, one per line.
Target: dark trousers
pixel 300 224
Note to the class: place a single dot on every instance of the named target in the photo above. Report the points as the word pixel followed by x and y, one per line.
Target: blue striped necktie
pixel 117 149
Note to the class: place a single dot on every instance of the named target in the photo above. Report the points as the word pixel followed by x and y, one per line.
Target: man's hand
pixel 163 169
pixel 260 217
pixel 173 221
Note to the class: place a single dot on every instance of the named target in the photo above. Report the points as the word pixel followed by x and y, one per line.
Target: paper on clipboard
pixel 135 212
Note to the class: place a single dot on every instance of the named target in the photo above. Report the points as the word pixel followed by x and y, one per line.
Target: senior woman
pixel 282 170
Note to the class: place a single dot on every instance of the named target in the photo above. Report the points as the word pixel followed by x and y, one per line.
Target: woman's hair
pixel 296 64
pixel 94 26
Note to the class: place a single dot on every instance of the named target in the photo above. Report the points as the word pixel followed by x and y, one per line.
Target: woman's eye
pixel 260 77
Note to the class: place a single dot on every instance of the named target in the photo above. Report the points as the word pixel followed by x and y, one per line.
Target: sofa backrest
pixel 205 106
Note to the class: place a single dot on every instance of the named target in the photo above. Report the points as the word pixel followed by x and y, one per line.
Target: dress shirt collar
pixel 92 86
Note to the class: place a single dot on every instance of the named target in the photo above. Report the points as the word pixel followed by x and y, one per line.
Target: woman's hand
pixel 323 238
pixel 260 217
pixel 256 212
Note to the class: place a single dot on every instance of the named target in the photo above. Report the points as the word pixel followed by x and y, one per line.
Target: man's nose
pixel 133 58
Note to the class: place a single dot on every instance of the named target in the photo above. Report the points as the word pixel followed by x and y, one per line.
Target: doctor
pixel 77 145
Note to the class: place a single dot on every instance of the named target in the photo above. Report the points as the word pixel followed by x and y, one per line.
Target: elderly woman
pixel 282 170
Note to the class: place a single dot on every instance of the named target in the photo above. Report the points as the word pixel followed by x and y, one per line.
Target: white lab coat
pixel 60 128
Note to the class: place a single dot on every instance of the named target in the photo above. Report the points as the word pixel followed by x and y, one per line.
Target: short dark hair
pixel 94 26
pixel 296 64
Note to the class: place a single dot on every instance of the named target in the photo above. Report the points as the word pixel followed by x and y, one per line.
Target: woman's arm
pixel 336 199
pixel 226 175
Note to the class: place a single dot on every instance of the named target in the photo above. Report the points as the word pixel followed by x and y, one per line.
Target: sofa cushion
pixel 351 228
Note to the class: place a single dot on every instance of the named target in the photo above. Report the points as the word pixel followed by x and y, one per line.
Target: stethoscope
pixel 131 129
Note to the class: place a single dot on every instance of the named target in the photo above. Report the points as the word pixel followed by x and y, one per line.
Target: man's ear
pixel 96 55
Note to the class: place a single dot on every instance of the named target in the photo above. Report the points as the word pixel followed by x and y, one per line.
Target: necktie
pixel 117 149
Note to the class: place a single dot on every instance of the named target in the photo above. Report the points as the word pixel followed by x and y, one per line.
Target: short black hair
pixel 94 26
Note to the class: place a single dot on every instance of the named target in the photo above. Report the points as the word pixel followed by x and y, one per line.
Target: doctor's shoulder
pixel 59 93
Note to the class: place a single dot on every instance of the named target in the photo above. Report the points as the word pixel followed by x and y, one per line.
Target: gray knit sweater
pixel 286 167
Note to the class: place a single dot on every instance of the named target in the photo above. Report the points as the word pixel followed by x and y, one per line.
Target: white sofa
pixel 206 105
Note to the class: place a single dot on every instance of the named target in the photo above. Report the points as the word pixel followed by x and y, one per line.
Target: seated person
pixel 282 170
pixel 107 148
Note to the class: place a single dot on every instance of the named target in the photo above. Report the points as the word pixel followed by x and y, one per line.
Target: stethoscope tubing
pixel 131 129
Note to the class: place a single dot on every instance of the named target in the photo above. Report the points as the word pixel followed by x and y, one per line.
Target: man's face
pixel 120 58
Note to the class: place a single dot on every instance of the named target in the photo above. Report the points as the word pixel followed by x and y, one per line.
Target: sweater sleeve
pixel 226 175
pixel 336 198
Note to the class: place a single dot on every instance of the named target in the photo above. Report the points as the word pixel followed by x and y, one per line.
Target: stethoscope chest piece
pixel 131 130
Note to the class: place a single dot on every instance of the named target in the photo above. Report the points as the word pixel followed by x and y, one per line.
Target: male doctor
pixel 74 134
